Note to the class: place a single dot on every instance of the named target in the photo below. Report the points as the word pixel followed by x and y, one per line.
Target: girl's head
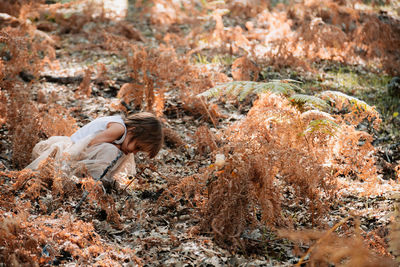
pixel 144 133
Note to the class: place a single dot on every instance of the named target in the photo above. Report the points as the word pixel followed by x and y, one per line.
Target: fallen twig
pixel 133 178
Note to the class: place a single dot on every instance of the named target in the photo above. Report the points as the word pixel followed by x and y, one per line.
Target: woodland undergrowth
pixel 287 151
pixel 299 34
pixel 30 117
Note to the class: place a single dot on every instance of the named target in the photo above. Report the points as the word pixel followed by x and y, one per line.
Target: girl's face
pixel 130 145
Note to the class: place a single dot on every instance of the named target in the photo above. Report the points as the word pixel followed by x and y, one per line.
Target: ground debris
pixel 160 226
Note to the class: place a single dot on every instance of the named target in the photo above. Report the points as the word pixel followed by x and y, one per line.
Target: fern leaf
pixel 341 98
pixel 311 101
pixel 246 90
pixel 242 89
pixel 322 126
pixel 286 81
pixel 290 83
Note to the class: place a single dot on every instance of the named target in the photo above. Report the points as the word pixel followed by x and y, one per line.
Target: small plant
pixel 200 59
pixel 330 248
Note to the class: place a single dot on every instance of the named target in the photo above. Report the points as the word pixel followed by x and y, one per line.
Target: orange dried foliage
pixel 23 122
pixel 7 200
pixel 298 35
pixel 379 38
pixel 101 76
pixel 24 239
pixel 230 197
pixel 228 39
pixel 89 11
pixel 205 140
pixel 243 69
pixel 21 178
pixel 330 248
pixel 3 107
pixel 105 201
pixel 14 7
pixel 16 245
pixel 113 42
pixel 56 122
pixel 48 178
pixel 354 154
pixel 263 153
pixel 159 102
pixel 132 93
pixel 20 54
pixel 271 151
pixel 164 13
pixel 397 170
pixel 249 8
pixel 26 123
pixel 377 244
pixel 85 88
pixel 345 34
pixel 161 69
pixel 149 93
pixel 192 189
pixel 172 138
pixel 127 30
pixel 317 34
pixel 352 151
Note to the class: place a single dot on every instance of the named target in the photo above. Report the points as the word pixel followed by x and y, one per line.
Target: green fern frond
pixel 335 96
pixel 322 126
pixel 242 89
pixel 310 101
pixel 290 83
pixel 287 81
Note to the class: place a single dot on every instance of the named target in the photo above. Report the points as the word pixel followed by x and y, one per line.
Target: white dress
pixel 74 155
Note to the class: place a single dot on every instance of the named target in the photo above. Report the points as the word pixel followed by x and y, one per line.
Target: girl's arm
pixel 113 132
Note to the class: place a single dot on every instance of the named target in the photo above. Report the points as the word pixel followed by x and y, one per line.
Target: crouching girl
pixel 97 144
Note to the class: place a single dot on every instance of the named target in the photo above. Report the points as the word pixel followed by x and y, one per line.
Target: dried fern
pixel 242 89
pixel 355 110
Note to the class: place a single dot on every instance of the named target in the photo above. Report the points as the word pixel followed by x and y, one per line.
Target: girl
pixel 96 144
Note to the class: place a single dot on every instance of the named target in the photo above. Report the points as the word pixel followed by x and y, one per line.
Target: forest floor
pixel 168 236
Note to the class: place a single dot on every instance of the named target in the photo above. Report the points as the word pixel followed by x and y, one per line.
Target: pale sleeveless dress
pixel 73 154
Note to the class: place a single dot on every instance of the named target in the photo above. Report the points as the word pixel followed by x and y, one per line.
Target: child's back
pixel 96 126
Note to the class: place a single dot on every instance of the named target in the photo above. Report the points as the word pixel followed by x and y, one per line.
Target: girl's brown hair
pixel 146 129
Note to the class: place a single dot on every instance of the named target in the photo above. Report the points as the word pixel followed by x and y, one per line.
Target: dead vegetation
pixel 254 156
